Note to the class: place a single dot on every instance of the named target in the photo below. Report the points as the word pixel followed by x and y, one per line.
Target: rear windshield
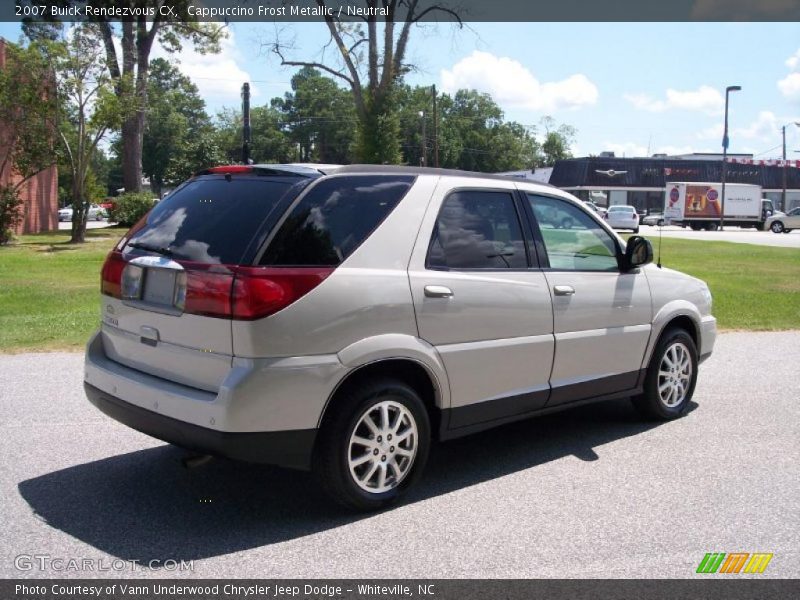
pixel 214 219
pixel 334 218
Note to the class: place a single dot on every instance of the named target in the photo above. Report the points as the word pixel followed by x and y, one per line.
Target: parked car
pixel 654 218
pixel 623 216
pixel 96 213
pixel 784 223
pixel 600 210
pixel 341 322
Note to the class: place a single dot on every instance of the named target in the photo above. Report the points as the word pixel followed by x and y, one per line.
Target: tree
pixel 372 75
pixel 557 141
pixel 270 138
pixel 27 140
pixel 320 116
pixel 179 136
pixel 88 108
pixel 130 74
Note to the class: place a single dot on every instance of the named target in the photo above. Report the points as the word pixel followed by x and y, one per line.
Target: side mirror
pixel 638 252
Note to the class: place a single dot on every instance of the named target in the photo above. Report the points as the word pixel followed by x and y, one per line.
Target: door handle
pixel 438 291
pixel 564 290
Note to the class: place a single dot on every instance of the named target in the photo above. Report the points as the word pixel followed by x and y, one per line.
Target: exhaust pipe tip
pixel 195 460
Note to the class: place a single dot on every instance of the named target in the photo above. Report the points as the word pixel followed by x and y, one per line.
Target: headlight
pixel 707 297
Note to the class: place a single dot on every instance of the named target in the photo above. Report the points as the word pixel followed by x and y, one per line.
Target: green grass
pixel 754 287
pixel 49 288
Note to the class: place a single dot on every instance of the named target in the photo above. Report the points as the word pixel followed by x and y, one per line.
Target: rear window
pixel 621 209
pixel 334 219
pixel 213 219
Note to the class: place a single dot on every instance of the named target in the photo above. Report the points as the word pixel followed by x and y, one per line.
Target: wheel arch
pixel 683 316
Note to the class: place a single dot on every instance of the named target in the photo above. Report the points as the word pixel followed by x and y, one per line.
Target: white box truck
pixel 699 205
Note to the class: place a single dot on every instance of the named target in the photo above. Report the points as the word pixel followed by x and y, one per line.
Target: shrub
pixel 129 208
pixel 10 212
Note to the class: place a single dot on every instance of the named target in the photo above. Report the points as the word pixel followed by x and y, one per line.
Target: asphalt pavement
pixel 737 235
pixel 593 492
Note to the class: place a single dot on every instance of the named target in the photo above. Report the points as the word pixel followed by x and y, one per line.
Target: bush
pixel 129 208
pixel 10 212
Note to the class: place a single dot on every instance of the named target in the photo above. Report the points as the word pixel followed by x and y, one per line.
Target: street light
pixel 783 194
pixel 725 141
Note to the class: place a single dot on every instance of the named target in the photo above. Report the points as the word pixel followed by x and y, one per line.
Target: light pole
pixel 423 143
pixel 728 90
pixel 783 194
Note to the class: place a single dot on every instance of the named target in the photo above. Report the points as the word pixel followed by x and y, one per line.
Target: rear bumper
pixel 290 448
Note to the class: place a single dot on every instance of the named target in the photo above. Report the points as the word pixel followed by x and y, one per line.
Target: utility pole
pixel 423 142
pixel 246 124
pixel 435 130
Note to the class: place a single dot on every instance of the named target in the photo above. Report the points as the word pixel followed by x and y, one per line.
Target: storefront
pixel 640 182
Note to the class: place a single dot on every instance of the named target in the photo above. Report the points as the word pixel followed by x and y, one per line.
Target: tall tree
pixel 178 136
pixel 372 75
pixel 130 72
pixel 89 108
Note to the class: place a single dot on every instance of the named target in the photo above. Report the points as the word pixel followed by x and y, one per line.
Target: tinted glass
pixel 573 240
pixel 334 219
pixel 477 230
pixel 211 220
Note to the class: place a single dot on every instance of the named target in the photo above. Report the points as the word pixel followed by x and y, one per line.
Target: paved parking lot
pixel 729 234
pixel 589 493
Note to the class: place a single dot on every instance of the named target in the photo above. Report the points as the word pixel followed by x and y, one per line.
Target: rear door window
pixel 334 218
pixel 477 230
pixel 212 219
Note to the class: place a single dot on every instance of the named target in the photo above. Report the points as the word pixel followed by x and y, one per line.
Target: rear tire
pixel 671 377
pixel 636 230
pixel 374 445
pixel 660 223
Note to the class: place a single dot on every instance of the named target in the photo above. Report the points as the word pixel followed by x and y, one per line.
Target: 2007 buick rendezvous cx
pixel 340 321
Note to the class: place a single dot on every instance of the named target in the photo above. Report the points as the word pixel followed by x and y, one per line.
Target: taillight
pixel 262 291
pixel 248 293
pixel 208 293
pixel 111 275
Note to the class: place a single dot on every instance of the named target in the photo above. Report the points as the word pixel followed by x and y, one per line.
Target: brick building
pixel 39 194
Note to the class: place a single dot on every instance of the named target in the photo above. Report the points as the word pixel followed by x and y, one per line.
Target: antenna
pixel 660 227
pixel 246 124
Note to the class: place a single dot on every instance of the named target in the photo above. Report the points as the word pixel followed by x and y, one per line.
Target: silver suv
pixel 340 321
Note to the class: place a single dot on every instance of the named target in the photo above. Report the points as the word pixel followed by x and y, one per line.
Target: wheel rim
pixel 674 375
pixel 382 447
pixel 777 227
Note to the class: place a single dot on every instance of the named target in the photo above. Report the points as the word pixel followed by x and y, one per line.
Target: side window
pixel 334 218
pixel 572 239
pixel 477 230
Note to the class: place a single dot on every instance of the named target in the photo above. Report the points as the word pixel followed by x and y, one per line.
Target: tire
pixel 660 223
pixel 787 231
pixel 566 223
pixel 675 346
pixel 636 230
pixel 776 227
pixel 760 227
pixel 695 227
pixel 354 479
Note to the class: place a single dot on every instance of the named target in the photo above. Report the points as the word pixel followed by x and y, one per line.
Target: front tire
pixel 671 377
pixel 776 227
pixel 374 446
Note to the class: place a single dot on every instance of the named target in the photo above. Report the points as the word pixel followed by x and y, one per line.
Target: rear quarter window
pixel 334 218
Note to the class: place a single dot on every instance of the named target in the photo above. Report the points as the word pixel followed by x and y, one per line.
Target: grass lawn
pixel 49 289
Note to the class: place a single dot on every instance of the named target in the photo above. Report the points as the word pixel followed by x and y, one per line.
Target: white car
pixel 783 223
pixel 96 213
pixel 623 216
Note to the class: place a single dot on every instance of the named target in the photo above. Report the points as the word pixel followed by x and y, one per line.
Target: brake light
pixel 111 274
pixel 248 293
pixel 230 169
pixel 262 291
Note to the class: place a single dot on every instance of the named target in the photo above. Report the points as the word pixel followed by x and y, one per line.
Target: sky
pixel 632 88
